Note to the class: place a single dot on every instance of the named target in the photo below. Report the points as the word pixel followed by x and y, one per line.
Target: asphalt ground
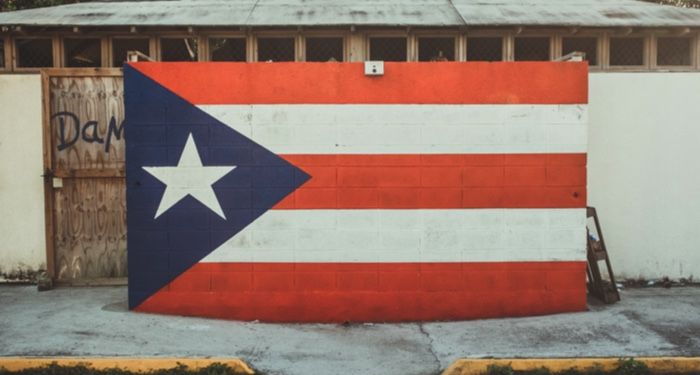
pixel 94 322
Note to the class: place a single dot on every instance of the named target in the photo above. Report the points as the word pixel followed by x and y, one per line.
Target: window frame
pixel 506 42
pixel 104 51
pixel 356 42
pixel 56 53
pixel 243 36
pixel 112 38
pixel 7 58
pixel 646 54
pixel 552 36
pixel 439 34
pixel 697 50
pixel 693 42
pixel 224 34
pixel 161 36
pixel 326 34
pixel 411 44
pixel 600 47
pixel 276 34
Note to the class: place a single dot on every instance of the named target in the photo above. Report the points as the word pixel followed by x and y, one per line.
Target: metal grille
pixel 2 53
pixel 673 51
pixel 275 49
pixel 178 49
pixel 324 49
pixel 34 53
pixel 627 51
pixel 587 45
pixel 81 53
pixel 532 49
pixel 436 49
pixel 120 48
pixel 388 49
pixel 485 49
pixel 227 49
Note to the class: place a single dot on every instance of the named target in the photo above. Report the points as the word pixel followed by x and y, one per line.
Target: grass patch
pixel 628 366
pixel 180 369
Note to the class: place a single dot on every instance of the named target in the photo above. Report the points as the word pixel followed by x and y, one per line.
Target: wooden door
pixel 84 177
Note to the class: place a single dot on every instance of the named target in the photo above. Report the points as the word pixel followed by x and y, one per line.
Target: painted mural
pixel 310 192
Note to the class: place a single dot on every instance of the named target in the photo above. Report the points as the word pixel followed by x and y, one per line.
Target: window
pixel 673 51
pixel 227 49
pixel 388 49
pixel 587 45
pixel 626 51
pixel 178 49
pixel 484 49
pixel 532 49
pixel 34 53
pixel 324 49
pixel 436 49
pixel 82 53
pixel 120 48
pixel 275 49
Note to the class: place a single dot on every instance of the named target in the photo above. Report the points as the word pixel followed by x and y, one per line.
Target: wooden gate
pixel 84 175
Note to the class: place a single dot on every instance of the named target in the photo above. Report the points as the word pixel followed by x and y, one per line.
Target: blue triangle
pixel 158 123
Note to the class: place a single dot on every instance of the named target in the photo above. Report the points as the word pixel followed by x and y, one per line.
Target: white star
pixel 189 177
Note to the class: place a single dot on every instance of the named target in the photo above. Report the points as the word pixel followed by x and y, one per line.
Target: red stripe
pixel 402 83
pixel 439 181
pixel 338 292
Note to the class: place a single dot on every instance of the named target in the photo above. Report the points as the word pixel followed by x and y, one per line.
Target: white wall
pixel 644 171
pixel 22 244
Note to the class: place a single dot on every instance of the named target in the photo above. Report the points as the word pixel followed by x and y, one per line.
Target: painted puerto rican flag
pixel 309 192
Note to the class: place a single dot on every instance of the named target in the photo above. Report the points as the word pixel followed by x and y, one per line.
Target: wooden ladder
pixel 605 291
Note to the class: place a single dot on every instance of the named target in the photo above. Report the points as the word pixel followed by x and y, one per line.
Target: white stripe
pixel 460 235
pixel 409 129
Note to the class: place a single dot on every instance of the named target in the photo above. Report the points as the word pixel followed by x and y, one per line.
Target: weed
pixel 500 370
pixel 631 366
pixel 626 366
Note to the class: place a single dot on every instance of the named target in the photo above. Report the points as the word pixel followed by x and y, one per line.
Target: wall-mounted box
pixel 374 68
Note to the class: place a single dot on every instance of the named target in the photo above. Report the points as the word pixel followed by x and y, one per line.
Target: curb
pixel 124 363
pixel 656 364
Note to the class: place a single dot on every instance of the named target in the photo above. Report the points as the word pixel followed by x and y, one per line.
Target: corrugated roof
pixel 594 13
pixel 603 13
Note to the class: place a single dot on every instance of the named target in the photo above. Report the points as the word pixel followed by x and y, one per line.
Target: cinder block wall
pixel 465 201
pixel 644 175
pixel 22 241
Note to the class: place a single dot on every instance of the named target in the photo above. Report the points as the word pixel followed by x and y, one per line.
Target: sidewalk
pixel 95 322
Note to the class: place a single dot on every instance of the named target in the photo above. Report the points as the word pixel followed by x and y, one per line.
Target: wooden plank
pixel 48 188
pixel 83 72
pixel 7 56
pixel 90 228
pixel 605 290
pixel 86 121
pixel 90 173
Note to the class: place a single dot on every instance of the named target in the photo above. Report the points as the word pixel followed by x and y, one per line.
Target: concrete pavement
pixel 95 322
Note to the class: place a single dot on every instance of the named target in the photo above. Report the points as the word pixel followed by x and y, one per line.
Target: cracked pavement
pixel 95 322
